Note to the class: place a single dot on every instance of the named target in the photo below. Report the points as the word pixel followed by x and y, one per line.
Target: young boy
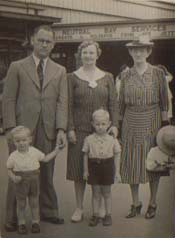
pixel 23 168
pixel 101 164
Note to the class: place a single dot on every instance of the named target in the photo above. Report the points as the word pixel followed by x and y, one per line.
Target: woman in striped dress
pixel 90 89
pixel 143 107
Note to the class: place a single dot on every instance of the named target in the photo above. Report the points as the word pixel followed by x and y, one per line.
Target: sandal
pixel 151 211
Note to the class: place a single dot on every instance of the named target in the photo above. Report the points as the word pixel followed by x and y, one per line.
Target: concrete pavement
pixel 160 227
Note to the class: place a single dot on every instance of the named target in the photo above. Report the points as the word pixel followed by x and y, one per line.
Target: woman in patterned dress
pixel 143 107
pixel 90 88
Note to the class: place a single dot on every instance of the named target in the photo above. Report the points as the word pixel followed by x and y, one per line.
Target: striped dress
pixel 83 101
pixel 142 99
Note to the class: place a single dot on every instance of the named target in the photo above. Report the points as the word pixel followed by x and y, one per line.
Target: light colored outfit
pixel 85 97
pixel 155 156
pixel 101 147
pixel 27 166
pixel 142 99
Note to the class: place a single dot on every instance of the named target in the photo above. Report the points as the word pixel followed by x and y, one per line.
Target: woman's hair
pixel 17 130
pixel 85 44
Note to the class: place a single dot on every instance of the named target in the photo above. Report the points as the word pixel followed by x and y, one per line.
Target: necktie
pixel 40 72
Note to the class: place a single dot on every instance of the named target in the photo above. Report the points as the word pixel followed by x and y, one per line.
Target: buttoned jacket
pixel 24 101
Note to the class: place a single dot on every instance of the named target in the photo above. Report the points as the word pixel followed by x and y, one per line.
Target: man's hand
pixel 16 179
pixel 85 175
pixel 72 137
pixel 61 139
pixel 113 131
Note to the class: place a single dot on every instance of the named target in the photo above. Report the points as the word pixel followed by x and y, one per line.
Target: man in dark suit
pixel 35 95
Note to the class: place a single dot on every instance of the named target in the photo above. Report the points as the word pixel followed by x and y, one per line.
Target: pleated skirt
pixel 139 130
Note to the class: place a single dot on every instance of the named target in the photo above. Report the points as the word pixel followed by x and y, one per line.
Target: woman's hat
pixel 166 140
pixel 141 41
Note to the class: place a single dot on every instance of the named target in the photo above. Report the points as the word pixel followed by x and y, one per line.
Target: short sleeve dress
pixel 83 101
pixel 142 99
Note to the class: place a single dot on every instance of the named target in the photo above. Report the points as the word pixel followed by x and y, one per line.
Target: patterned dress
pixel 142 99
pixel 83 101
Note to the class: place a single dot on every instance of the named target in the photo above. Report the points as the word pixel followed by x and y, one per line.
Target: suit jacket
pixel 24 102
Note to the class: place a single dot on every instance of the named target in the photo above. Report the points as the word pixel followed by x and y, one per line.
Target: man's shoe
pixel 53 220
pixel 35 228
pixel 22 229
pixel 107 220
pixel 77 216
pixel 10 227
pixel 94 221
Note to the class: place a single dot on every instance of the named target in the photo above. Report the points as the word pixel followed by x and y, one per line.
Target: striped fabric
pixel 83 101
pixel 142 98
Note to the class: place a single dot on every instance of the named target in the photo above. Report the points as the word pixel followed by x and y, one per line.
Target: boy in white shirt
pixel 101 165
pixel 23 168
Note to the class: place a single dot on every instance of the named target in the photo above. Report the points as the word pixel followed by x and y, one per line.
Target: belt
pixel 100 161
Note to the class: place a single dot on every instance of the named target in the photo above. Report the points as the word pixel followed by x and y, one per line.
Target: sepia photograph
pixel 87 118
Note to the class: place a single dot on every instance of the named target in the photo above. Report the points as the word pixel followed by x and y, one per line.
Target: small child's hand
pixel 118 178
pixel 17 179
pixel 85 176
pixel 57 149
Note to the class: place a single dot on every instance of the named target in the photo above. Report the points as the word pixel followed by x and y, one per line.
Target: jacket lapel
pixel 49 72
pixel 30 68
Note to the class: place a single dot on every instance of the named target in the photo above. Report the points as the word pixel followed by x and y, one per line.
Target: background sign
pixel 115 32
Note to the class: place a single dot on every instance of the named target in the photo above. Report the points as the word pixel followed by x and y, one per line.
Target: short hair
pixel 99 113
pixel 15 131
pixel 44 27
pixel 85 44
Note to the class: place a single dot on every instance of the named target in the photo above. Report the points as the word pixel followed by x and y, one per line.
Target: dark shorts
pixel 101 171
pixel 28 186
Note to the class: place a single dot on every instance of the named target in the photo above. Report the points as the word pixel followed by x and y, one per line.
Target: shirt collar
pixel 37 60
pixel 97 74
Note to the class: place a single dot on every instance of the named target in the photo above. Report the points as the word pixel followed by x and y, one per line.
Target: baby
pixel 101 165
pixel 23 168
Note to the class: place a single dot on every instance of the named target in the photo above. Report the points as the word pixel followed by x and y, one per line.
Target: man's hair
pixel 99 113
pixel 44 27
pixel 15 131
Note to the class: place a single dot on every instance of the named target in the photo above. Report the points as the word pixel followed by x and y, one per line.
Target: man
pixel 35 95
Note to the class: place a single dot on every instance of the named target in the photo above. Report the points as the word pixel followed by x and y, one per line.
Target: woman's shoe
pixel 151 211
pixel 77 216
pixel 94 221
pixel 135 210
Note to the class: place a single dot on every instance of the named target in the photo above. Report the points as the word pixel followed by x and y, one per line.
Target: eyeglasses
pixel 42 42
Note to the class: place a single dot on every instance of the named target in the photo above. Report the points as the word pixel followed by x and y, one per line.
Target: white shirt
pixel 28 161
pixel 101 147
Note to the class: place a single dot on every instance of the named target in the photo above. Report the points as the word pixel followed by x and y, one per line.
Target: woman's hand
pixel 61 139
pixel 72 137
pixel 113 131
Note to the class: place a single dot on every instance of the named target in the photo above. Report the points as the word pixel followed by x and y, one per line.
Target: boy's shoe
pixel 107 220
pixel 94 221
pixel 35 228
pixel 10 227
pixel 77 216
pixel 22 229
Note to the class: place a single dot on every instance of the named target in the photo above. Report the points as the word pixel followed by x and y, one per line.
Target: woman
pixel 143 108
pixel 90 88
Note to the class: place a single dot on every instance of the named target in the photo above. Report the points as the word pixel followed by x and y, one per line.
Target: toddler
pixel 23 168
pixel 101 164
